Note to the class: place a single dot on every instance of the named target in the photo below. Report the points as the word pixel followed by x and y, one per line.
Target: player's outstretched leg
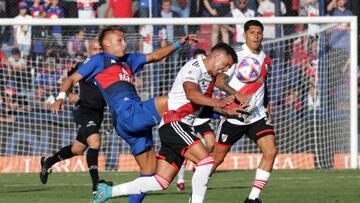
pixel 47 162
pixel 103 192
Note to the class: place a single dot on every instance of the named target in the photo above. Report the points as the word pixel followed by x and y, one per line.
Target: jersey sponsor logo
pixel 224 137
pixel 90 123
pixel 115 73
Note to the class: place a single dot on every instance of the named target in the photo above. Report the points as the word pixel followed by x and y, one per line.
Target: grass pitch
pixel 303 186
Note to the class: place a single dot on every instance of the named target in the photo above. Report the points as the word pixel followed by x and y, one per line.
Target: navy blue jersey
pixel 114 77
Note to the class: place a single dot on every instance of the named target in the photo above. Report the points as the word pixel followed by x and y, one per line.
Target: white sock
pixel 140 185
pixel 181 174
pixel 261 179
pixel 201 178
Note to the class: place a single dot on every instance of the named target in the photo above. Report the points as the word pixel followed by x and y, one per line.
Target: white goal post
pixel 351 147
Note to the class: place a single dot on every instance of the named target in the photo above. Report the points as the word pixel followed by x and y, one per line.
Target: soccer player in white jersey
pixel 191 90
pixel 203 128
pixel 256 124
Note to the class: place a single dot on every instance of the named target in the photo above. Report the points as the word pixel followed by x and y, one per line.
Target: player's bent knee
pixel 77 150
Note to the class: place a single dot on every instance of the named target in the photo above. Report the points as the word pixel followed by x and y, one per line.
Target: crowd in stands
pixel 34 59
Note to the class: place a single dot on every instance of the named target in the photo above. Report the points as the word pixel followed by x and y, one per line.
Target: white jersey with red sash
pixel 256 89
pixel 179 108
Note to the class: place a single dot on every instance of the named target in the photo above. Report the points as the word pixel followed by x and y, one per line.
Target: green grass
pixel 306 186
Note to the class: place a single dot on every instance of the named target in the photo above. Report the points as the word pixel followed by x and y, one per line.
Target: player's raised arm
pixel 65 87
pixel 166 51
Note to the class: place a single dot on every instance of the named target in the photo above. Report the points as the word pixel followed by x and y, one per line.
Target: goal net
pixel 312 84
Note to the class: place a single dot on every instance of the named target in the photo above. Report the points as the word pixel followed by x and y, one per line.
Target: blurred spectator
pixel 313 98
pixel 15 62
pixel 86 8
pixel 254 5
pixel 37 10
pixel 102 8
pixel 22 33
pixel 46 82
pixel 299 52
pixel 312 58
pixel 169 32
pixel 292 104
pixel 242 11
pixel 267 9
pixel 219 8
pixel 77 43
pixel 4 30
pixel 340 36
pixel 54 11
pixel 146 40
pixel 143 9
pixel 312 10
pixel 182 7
pixel 120 9
pixel 3 59
pixel 18 72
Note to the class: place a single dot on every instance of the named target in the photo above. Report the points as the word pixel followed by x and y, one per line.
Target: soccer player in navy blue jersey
pixel 113 71
pixel 88 114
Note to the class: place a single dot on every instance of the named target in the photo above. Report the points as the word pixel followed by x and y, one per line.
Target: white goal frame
pixel 352 20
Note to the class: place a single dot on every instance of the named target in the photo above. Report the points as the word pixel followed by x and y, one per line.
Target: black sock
pixel 92 161
pixel 63 153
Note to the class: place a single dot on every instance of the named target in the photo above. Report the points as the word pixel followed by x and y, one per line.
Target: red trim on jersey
pixel 182 112
pixel 223 145
pixel 188 108
pixel 210 90
pixel 251 88
pixel 114 73
pixel 264 131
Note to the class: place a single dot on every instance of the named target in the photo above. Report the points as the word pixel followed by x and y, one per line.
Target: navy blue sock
pixel 139 197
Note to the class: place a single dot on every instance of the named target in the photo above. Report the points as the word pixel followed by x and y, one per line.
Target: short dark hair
pixel 108 29
pixel 228 50
pixel 253 23
pixel 15 51
pixel 198 51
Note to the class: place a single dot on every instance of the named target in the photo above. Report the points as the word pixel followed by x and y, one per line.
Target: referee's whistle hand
pixel 59 104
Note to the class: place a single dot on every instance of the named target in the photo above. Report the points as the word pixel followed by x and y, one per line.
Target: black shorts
pixel 176 138
pixel 229 133
pixel 205 128
pixel 88 122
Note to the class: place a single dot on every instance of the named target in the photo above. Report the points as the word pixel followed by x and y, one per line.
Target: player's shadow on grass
pixel 24 190
pixel 227 187
pixel 166 193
